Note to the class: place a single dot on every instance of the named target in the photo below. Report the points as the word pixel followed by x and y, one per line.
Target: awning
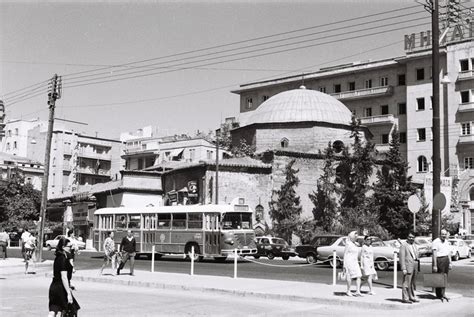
pixel 176 152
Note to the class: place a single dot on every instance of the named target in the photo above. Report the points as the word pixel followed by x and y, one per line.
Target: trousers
pixel 442 263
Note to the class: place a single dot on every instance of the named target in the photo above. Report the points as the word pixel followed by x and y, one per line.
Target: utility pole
pixel 53 94
pixel 217 164
pixel 435 218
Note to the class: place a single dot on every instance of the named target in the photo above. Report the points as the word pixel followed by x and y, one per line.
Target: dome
pixel 299 105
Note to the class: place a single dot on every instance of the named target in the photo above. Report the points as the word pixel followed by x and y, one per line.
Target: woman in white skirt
pixel 351 263
pixel 367 263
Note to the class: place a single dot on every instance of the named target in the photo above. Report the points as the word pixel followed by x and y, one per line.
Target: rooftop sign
pixel 422 40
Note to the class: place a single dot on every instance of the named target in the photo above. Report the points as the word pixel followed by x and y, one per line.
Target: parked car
pixel 383 254
pixel 394 243
pixel 459 249
pixel 309 251
pixel 470 243
pixel 423 245
pixel 272 247
pixel 52 244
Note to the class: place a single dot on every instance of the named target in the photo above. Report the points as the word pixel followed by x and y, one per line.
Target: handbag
pixel 71 309
pixel 341 276
pixel 435 280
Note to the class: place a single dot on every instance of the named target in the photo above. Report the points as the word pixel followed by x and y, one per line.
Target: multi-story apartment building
pixel 141 153
pixel 396 93
pixel 2 121
pixel 31 171
pixel 17 136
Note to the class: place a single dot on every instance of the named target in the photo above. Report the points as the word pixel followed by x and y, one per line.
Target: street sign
pixel 414 203
pixel 439 201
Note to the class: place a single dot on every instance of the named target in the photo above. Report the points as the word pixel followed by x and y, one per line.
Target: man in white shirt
pixel 441 260
pixel 25 236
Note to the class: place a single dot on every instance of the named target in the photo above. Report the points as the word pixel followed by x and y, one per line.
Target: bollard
pixel 334 267
pixel 192 260
pixel 152 258
pixel 395 270
pixel 8 243
pixel 235 263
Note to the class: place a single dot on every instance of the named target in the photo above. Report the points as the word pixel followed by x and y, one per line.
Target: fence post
pixel 334 267
pixel 153 258
pixel 395 270
pixel 192 260
pixel 235 263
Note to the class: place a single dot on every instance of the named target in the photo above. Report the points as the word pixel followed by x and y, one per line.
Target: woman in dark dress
pixel 60 293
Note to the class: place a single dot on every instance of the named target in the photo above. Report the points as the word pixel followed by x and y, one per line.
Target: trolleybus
pixel 213 230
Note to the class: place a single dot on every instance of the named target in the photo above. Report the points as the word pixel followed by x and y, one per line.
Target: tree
pixel 324 199
pixel 243 149
pixel 19 201
pixel 391 191
pixel 285 208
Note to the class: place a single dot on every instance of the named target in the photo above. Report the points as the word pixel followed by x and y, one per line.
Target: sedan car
pixel 309 251
pixel 52 244
pixel 423 245
pixel 383 254
pixel 272 247
pixel 470 243
pixel 459 249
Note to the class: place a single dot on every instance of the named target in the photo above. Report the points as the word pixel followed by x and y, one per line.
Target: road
pixel 461 278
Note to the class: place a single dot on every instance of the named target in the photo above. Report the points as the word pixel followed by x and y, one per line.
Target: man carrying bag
pixel 441 261
pixel 128 249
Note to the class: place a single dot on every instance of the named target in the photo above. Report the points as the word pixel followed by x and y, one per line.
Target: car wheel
pixel 456 256
pixel 270 256
pixel 310 258
pixel 256 257
pixel 197 256
pixel 382 265
pixel 48 247
pixel 285 257
pixel 331 262
pixel 220 259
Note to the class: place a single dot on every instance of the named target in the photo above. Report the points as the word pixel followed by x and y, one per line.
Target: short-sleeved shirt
pixel 60 264
pixel 442 248
pixel 25 236
pixel 109 246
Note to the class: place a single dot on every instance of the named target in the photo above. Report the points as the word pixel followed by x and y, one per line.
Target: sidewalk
pixel 385 298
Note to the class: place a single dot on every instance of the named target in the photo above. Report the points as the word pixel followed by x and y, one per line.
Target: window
pixel 14 145
pixel 402 108
pixel 322 89
pixel 337 88
pixel 192 154
pixel 403 137
pixel 140 164
pixel 265 98
pixel 384 109
pixel 384 81
pixel 9 133
pixel 421 134
pixel 179 221
pixel 401 80
pixel 422 164
pixel 16 131
pixel 385 139
pixel 284 142
pixel 249 103
pixel 8 146
pixel 352 86
pixel 194 221
pixel 420 74
pixel 338 146
pixel 368 112
pixel 465 96
pixel 466 128
pixel 368 83
pixel 210 155
pixel 120 221
pixel 134 221
pixel 469 163
pixel 164 221
pixel 420 104
pixel 464 63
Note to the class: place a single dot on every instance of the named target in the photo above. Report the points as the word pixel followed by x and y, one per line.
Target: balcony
pixel 466 75
pixel 67 167
pixel 466 107
pixel 364 93
pixel 378 120
pixel 92 171
pixel 95 155
pixel 466 139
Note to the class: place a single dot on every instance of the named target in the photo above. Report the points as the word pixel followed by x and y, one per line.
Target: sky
pixel 186 91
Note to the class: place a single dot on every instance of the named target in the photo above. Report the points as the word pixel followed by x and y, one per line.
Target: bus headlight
pixel 229 241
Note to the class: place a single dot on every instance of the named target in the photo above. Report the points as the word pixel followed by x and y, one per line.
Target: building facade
pixel 396 93
pixel 31 171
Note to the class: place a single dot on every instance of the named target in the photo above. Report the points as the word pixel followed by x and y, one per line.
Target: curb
pixel 254 294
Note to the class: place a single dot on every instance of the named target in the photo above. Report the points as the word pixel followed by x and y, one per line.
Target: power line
pixel 18 90
pixel 248 40
pixel 236 59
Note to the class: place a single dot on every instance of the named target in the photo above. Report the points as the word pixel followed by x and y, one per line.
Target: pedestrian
pixel 367 263
pixel 128 247
pixel 60 292
pixel 74 248
pixel 409 258
pixel 351 263
pixel 109 252
pixel 441 261
pixel 30 246
pixel 24 237
pixel 4 238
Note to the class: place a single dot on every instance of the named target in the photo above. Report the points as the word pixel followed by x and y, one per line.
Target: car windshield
pixel 237 220
pixel 279 241
pixel 453 242
pixel 324 240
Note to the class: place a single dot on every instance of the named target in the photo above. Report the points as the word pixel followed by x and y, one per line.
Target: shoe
pixel 406 301
pixel 446 298
pixel 415 300
pixel 118 271
pixel 371 293
pixel 358 295
pixel 349 294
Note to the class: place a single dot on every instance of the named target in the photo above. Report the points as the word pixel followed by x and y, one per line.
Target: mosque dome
pixel 299 105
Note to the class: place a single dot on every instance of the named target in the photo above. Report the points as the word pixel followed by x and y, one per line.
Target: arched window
pixel 284 142
pixel 338 146
pixel 422 164
pixel 471 194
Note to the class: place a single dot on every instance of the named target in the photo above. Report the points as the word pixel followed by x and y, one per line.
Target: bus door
pixel 212 234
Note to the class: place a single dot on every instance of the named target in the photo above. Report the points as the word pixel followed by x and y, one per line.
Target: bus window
pixel 153 221
pixel 246 221
pixel 120 221
pixel 146 222
pixel 106 222
pixel 164 221
pixel 236 220
pixel 194 221
pixel 179 221
pixel 134 221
